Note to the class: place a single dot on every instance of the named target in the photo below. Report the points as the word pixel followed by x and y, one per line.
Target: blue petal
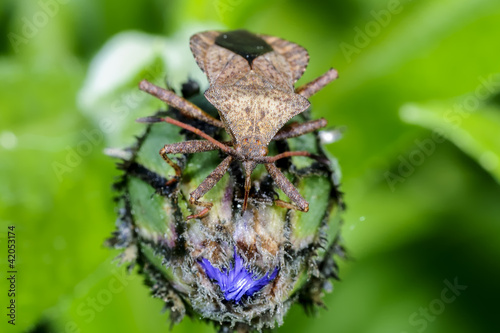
pixel 238 281
pixel 262 282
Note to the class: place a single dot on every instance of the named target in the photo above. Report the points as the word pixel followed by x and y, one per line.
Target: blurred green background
pixel 418 94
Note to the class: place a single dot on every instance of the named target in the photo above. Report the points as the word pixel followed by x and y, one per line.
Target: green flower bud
pixel 237 270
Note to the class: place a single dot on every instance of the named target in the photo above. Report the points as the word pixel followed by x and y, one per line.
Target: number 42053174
pixel 11 245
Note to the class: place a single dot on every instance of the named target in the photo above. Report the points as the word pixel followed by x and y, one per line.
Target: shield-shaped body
pixel 251 81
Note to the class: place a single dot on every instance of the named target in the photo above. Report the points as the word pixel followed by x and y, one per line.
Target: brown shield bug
pixel 252 81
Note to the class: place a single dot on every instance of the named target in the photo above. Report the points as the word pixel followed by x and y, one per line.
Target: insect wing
pixel 295 55
pixel 200 44
pixel 224 67
pixel 274 70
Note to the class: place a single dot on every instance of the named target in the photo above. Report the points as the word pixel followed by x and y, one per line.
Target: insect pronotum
pixel 252 81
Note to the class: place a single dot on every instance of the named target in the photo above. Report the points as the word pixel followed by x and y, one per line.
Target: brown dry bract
pixel 252 87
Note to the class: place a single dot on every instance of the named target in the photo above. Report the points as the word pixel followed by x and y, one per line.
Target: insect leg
pixel 295 130
pixel 185 107
pixel 186 147
pixel 209 182
pixel 299 203
pixel 309 89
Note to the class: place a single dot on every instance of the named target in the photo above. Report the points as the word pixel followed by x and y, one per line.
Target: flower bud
pixel 240 270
